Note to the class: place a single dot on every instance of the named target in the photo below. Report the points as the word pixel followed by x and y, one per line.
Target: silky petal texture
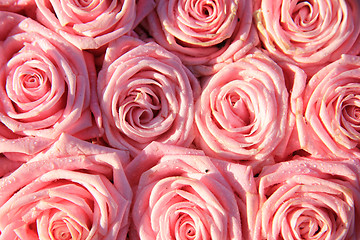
pixel 75 189
pixel 241 179
pixel 16 5
pixel 206 35
pixel 145 95
pixel 181 192
pixel 92 24
pixel 308 198
pixel 295 81
pixel 242 112
pixel 45 87
pixel 7 166
pixel 309 34
pixel 327 116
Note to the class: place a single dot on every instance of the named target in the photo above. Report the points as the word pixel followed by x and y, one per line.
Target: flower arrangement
pixel 182 119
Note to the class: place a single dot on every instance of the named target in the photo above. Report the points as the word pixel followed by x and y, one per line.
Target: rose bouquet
pixel 181 119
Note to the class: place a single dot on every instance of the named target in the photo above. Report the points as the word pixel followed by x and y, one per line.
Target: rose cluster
pixel 180 119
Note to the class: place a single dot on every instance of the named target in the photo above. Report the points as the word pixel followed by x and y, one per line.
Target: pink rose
pixel 328 119
pixel 204 34
pixel 242 111
pixel 309 34
pixel 309 199
pixel 75 190
pixel 44 87
pixel 145 95
pixel 92 24
pixel 181 194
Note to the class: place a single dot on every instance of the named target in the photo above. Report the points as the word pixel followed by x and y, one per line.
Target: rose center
pixel 77 12
pixel 240 108
pixel 207 10
pixel 204 9
pixel 34 84
pixel 28 83
pixel 149 102
pixel 31 81
pixel 353 112
pixel 190 232
pixel 350 111
pixel 143 106
pixel 83 3
pixel 60 231
pixel 233 109
pixel 308 229
pixel 304 13
pixel 187 229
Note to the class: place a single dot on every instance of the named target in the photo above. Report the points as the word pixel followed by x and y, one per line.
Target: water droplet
pixel 304 165
pixel 10 18
pixel 51 166
pixel 10 180
pixel 25 25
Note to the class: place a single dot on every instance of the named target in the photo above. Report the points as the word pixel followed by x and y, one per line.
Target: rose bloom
pixel 75 190
pixel 328 119
pixel 92 24
pixel 44 87
pixel 145 94
pixel 309 34
pixel 204 34
pixel 306 198
pixel 181 194
pixel 242 112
